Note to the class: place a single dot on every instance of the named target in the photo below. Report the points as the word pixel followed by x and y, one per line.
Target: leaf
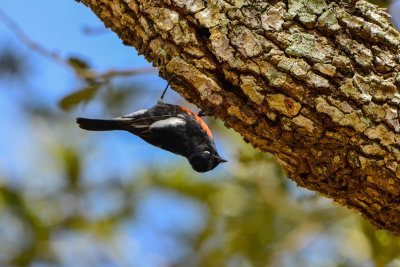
pixel 74 99
pixel 78 63
pixel 72 163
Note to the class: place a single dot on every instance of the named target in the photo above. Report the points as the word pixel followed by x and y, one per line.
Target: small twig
pixel 13 26
pixel 84 73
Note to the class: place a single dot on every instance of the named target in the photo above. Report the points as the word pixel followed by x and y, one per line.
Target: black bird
pixel 170 127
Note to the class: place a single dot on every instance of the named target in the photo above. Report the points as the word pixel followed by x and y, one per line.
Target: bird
pixel 170 127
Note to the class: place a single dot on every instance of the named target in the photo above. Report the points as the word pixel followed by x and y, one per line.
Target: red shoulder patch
pixel 203 124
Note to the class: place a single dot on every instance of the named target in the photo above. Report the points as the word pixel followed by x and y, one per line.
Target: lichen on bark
pixel 316 83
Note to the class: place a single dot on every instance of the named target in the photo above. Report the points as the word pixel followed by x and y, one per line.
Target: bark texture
pixel 322 76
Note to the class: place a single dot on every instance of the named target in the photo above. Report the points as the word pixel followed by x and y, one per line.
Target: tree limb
pixel 322 76
pixel 85 73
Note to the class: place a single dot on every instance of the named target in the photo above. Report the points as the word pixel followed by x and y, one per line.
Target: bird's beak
pixel 219 159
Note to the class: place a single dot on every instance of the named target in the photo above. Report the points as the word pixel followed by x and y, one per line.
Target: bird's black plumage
pixel 170 127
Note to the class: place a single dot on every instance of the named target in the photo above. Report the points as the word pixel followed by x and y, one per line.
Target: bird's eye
pixel 206 153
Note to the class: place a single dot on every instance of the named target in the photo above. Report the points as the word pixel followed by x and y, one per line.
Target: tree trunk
pixel 316 83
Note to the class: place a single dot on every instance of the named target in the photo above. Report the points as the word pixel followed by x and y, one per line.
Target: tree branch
pixel 85 73
pixel 322 76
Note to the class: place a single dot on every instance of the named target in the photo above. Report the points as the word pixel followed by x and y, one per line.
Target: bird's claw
pixel 203 113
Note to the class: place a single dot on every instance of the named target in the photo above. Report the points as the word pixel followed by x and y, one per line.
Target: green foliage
pixel 77 63
pixel 76 98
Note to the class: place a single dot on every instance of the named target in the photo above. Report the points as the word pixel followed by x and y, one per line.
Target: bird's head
pixel 204 159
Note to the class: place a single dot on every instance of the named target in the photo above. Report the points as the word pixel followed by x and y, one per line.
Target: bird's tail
pixel 100 125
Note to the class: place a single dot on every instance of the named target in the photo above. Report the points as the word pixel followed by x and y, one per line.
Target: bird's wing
pixel 169 134
pixel 162 126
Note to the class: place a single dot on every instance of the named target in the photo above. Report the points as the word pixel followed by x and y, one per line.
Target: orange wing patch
pixel 203 124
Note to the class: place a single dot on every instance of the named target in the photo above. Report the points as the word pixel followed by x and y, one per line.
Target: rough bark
pixel 321 76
